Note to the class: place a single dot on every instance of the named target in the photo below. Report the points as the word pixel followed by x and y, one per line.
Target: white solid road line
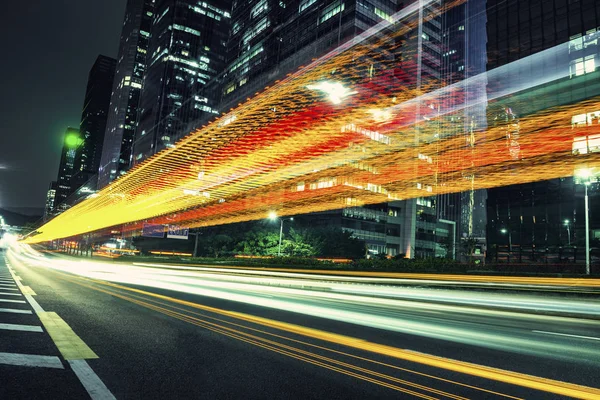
pixel 30 360
pixel 90 381
pixel 15 311
pixel 24 328
pixel 12 301
pixel 569 335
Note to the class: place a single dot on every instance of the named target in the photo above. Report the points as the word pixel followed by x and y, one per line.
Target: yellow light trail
pixel 495 374
pixel 292 150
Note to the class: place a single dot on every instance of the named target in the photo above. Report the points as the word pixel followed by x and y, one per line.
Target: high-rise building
pixel 186 50
pixel 93 122
pixel 72 141
pixel 50 200
pixel 126 90
pixel 543 221
pixel 270 39
pixel 464 57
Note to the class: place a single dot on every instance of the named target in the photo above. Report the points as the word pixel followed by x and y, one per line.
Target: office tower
pixel 72 141
pixel 186 50
pixel 50 200
pixel 544 221
pixel 93 122
pixel 464 57
pixel 271 39
pixel 126 90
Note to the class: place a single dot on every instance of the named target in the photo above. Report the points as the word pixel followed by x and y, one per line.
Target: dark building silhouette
pixel 50 199
pixel 126 91
pixel 543 222
pixel 72 142
pixel 186 50
pixel 93 123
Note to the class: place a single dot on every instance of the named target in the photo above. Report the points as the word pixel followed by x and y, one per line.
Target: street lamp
pixel 273 217
pixel 504 231
pixel 568 230
pixel 585 176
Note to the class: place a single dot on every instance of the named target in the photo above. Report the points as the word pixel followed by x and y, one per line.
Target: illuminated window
pixel 382 14
pixel 259 8
pixel 332 10
pixel 305 4
pixel 586 144
pixel 589 64
pixel 575 43
pixel 186 29
pixel 255 30
pixel 582 66
pixel 591 38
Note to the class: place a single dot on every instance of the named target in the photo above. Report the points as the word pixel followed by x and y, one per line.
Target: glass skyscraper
pixel 93 122
pixel 186 50
pixel 126 90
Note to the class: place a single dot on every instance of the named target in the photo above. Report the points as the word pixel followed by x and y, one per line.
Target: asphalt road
pixel 182 333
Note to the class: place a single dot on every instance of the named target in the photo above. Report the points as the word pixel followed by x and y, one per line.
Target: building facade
pixel 50 200
pixel 464 57
pixel 72 141
pixel 94 116
pixel 186 50
pixel 544 222
pixel 126 90
pixel 270 39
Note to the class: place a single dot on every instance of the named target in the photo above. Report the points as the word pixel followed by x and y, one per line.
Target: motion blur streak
pixel 258 341
pixel 294 150
pixel 463 279
pixel 413 311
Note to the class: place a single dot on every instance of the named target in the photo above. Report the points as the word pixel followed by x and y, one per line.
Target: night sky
pixel 48 48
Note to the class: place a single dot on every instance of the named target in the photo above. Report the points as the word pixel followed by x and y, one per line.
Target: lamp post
pixel 505 231
pixel 587 229
pixel 585 176
pixel 273 217
pixel 568 230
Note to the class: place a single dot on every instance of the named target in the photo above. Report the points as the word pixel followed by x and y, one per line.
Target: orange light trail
pixel 292 150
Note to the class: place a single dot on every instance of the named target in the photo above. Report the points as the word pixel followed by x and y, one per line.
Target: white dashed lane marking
pixel 12 301
pixel 14 311
pixel 24 328
pixel 28 360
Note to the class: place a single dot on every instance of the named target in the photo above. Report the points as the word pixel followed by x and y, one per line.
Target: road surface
pixel 72 328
